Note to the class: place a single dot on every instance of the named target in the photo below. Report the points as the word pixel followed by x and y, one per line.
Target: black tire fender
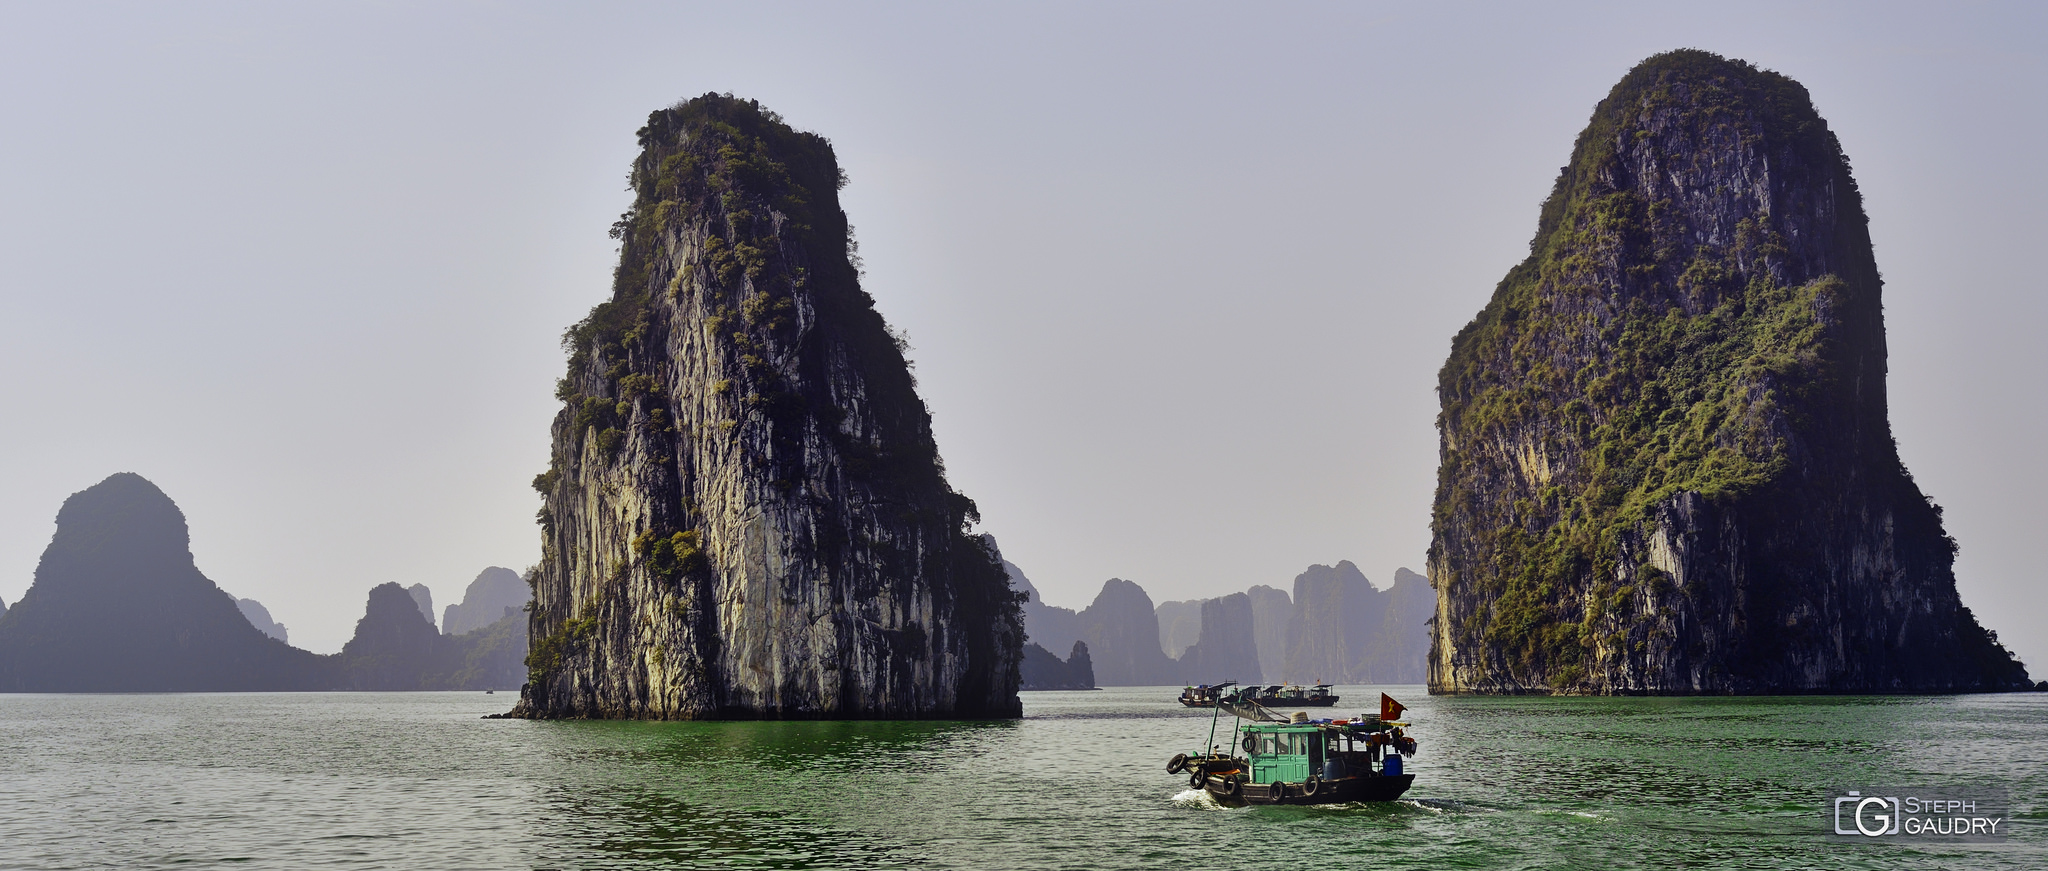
pixel 1177 764
pixel 1230 788
pixel 1311 786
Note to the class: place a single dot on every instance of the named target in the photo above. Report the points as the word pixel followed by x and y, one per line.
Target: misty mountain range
pixel 1336 627
pixel 119 606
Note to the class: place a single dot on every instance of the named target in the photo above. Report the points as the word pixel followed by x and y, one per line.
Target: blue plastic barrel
pixel 1392 766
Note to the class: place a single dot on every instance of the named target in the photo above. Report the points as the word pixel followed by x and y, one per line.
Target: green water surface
pixel 416 780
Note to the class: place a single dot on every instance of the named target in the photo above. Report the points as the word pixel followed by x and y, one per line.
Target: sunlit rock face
pixel 1666 464
pixel 746 515
pixel 119 606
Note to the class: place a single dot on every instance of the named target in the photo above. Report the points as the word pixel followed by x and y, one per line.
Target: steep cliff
pixel 1122 631
pixel 119 606
pixel 1666 462
pixel 484 601
pixel 1227 648
pixel 746 515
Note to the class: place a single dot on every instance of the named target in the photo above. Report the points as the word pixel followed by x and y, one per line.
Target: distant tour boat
pixel 1204 695
pixel 1276 696
pixel 1296 760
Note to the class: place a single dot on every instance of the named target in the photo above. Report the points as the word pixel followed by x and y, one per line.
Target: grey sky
pixel 1178 277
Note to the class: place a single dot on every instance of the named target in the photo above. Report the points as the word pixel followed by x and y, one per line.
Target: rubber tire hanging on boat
pixel 1177 764
pixel 1195 779
pixel 1230 788
pixel 1311 786
pixel 1279 791
pixel 1250 743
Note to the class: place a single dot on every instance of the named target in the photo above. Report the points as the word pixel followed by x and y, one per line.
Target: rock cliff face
pixel 746 515
pixel 259 617
pixel 484 601
pixel 1122 631
pixel 1227 649
pixel 1666 463
pixel 118 606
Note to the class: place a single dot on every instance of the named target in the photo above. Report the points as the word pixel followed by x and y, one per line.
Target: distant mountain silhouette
pixel 396 648
pixel 484 601
pixel 1122 632
pixel 1228 646
pixel 259 617
pixel 1043 669
pixel 119 606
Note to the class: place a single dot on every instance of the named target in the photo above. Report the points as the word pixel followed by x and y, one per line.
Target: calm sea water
pixel 416 780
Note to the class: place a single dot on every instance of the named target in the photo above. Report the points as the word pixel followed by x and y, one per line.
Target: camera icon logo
pixel 1867 815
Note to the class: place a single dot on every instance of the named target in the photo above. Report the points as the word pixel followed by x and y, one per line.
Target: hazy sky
pixel 1178 277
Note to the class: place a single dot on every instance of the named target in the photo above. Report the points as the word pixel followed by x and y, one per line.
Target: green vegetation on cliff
pixel 1698 318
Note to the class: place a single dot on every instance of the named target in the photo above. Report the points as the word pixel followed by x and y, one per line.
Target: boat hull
pixel 1348 789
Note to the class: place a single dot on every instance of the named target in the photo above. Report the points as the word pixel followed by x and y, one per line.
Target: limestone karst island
pixel 1666 462
pixel 746 515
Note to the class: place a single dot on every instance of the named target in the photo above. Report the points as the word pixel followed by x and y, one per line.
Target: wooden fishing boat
pixel 1296 760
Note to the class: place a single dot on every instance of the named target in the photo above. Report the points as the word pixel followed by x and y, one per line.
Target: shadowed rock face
pixel 745 514
pixel 118 606
pixel 484 601
pixel 1666 460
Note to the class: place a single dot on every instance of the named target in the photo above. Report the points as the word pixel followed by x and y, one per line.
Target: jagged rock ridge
pixel 1666 462
pixel 746 515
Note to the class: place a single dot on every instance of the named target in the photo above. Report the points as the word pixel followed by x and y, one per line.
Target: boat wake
pixel 1196 797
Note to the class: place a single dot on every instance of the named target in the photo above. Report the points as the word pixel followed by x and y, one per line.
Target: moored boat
pixel 1204 695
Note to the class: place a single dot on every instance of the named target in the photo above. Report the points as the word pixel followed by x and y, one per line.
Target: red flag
pixel 1390 709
